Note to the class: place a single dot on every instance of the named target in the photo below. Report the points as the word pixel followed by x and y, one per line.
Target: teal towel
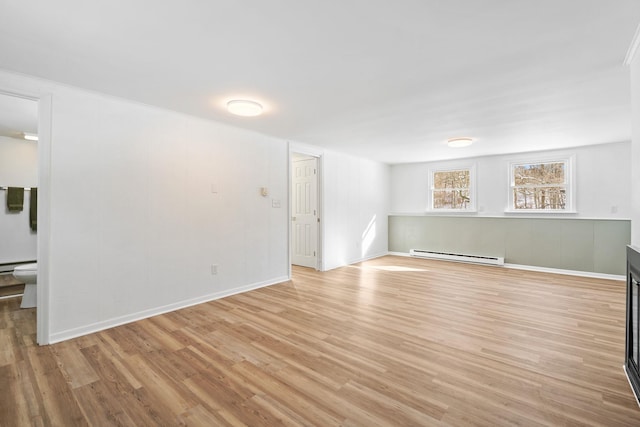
pixel 33 209
pixel 15 199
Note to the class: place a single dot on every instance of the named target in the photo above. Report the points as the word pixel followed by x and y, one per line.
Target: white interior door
pixel 304 216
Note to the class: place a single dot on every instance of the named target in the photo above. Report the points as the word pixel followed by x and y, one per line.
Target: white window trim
pixel 571 184
pixel 473 206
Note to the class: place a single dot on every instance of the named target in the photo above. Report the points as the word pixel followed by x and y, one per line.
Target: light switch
pixel 275 203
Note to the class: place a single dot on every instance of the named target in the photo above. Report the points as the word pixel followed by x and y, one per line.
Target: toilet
pixel 28 274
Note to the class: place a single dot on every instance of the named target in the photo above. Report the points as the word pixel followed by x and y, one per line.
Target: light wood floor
pixel 393 341
pixel 10 286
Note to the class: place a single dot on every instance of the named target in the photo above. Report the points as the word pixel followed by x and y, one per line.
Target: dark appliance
pixel 632 347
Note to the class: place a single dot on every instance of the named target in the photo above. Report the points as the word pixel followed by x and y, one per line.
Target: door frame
pixel 45 109
pixel 310 152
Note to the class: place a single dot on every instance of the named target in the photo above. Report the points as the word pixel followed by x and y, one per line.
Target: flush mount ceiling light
pixel 30 136
pixel 245 108
pixel 459 142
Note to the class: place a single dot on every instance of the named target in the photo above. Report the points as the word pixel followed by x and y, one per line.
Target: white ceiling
pixel 389 80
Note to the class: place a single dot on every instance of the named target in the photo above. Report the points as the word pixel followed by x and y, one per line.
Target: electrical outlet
pixel 214 269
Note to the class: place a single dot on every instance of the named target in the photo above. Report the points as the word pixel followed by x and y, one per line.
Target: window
pixel 453 189
pixel 541 186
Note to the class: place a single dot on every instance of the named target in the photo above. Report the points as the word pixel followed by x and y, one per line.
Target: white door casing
pixel 304 216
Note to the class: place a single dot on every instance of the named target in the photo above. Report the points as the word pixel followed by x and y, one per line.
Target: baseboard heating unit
pixel 478 259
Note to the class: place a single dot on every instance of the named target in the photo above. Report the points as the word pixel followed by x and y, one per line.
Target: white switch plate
pixel 275 203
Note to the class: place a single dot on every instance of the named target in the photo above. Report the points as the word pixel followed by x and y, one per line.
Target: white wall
pixel 134 225
pixel 635 108
pixel 356 194
pixel 18 168
pixel 603 181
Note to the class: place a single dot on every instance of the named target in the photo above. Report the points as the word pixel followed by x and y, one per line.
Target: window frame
pixel 569 162
pixel 472 206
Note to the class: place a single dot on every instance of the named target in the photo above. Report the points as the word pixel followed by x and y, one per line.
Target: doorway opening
pixel 41 103
pixel 305 211
pixel 18 196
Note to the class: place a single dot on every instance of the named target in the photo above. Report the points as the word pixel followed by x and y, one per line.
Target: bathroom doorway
pixel 18 171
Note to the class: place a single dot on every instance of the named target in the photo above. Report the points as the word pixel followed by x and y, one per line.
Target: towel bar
pixel 26 188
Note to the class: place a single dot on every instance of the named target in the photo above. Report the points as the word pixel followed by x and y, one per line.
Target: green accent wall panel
pixel 591 245
pixel 609 257
pixel 517 245
pixel 577 245
pixel 545 240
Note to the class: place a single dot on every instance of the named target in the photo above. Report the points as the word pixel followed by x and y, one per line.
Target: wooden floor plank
pixel 391 341
pixel 59 406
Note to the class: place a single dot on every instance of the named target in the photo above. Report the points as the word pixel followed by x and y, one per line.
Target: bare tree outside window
pixel 540 186
pixel 451 189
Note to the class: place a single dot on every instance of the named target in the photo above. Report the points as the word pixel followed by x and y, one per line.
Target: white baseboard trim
pixel 133 317
pixel 399 254
pixel 590 274
pixel 548 270
pixel 11 296
pixel 367 258
pixel 355 261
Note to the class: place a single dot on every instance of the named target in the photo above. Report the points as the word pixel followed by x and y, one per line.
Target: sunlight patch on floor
pixel 396 268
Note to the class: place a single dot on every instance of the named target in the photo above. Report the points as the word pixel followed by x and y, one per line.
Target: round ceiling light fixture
pixel 459 142
pixel 244 107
